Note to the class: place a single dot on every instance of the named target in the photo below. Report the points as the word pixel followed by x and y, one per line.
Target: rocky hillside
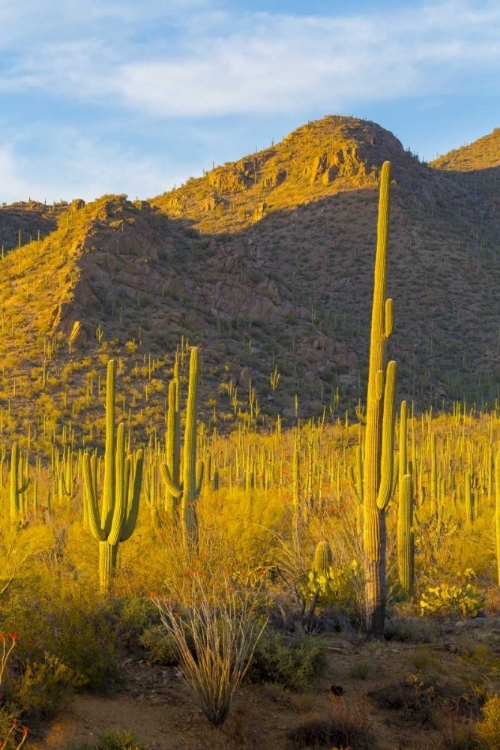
pixel 23 222
pixel 268 261
pixel 305 210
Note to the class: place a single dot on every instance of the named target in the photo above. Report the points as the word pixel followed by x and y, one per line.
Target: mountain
pixel 306 209
pixel 265 261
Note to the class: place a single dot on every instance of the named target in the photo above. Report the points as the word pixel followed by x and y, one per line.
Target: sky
pixel 135 96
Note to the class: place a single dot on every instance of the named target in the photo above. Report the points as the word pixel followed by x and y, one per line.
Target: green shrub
pixel 291 662
pixel 160 646
pixel 135 615
pixel 80 633
pixel 45 687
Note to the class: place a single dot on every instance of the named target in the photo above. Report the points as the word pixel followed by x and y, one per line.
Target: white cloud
pixel 197 61
pixel 149 63
pixel 281 64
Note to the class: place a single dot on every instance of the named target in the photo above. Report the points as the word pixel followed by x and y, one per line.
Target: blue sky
pixel 135 96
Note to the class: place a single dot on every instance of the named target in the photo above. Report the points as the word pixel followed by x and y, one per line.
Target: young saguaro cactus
pixel 296 494
pixel 379 436
pixel 497 510
pixel 323 558
pixel 116 520
pixel 189 489
pixel 406 545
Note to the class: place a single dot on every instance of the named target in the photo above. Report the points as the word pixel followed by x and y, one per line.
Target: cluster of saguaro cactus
pixel 65 475
pixel 115 520
pixel 379 432
pixel 187 491
pixel 18 486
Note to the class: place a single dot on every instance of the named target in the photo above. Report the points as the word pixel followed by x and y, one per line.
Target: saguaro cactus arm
pixel 174 488
pixel 137 464
pixel 16 489
pixel 386 488
pixel 93 516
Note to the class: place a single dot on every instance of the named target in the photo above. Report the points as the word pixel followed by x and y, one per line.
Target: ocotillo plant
pixel 192 474
pixel 379 435
pixel 121 491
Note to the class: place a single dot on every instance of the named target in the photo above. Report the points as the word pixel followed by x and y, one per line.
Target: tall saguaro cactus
pixel 379 435
pixel 192 473
pixel 115 521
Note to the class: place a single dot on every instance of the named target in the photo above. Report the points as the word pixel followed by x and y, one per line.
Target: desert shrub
pixel 349 729
pixel 45 687
pixel 80 633
pixel 414 699
pixel 135 615
pixel 361 669
pixel 488 729
pixel 112 740
pixel 160 645
pixel 478 665
pixel 293 663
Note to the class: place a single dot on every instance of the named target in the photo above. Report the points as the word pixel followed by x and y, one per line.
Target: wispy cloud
pixel 126 76
pixel 272 63
pixel 202 62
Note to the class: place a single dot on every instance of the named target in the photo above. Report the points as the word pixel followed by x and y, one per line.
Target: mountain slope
pixel 479 156
pixel 309 214
pixel 267 261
